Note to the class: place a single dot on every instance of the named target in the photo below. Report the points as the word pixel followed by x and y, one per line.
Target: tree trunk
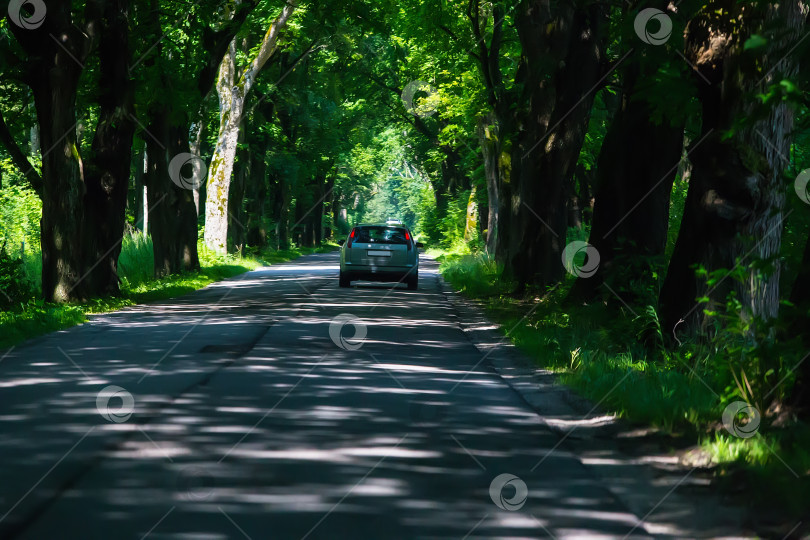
pixel 281 208
pixel 331 199
pixel 799 321
pixel 232 101
pixel 171 208
pixel 176 245
pixel 256 200
pixel 496 170
pixel 140 208
pixel 169 195
pixel 107 174
pixel 568 44
pixel 236 213
pixel 631 213
pixel 471 220
pixel 53 76
pixel 733 213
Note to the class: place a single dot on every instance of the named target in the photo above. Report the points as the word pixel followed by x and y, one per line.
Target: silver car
pixel 380 252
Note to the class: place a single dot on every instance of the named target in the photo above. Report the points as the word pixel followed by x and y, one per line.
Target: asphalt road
pixel 255 413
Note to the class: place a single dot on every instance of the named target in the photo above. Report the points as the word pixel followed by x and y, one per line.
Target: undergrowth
pixel 604 351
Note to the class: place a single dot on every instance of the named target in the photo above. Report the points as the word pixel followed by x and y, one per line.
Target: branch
pixel 19 158
pixel 484 56
pixel 267 48
pixel 381 83
pixel 311 49
pixel 216 43
pixel 458 40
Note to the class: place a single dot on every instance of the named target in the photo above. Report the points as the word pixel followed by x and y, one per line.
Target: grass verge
pixel 35 317
pixel 603 351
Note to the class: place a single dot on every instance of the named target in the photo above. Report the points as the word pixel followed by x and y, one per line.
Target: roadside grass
pixel 35 317
pixel 600 352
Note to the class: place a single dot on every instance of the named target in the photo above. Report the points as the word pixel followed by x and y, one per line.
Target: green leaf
pixel 755 42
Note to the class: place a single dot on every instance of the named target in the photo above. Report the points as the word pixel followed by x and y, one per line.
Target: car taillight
pixel 408 240
pixel 351 239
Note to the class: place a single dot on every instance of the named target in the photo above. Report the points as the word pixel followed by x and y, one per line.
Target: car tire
pixel 344 280
pixel 413 282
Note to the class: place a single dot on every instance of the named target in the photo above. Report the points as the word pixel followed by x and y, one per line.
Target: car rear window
pixel 380 235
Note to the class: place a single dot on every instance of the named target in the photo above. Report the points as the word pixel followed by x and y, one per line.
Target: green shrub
pixel 20 212
pixel 14 285
pixel 136 261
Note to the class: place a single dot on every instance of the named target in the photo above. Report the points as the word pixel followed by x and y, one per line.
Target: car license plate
pixel 375 253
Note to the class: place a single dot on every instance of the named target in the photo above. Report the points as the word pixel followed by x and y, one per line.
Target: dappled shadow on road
pixel 251 420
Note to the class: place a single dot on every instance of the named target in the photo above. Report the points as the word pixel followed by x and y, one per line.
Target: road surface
pixel 256 413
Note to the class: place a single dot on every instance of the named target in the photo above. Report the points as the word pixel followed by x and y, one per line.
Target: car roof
pixel 393 225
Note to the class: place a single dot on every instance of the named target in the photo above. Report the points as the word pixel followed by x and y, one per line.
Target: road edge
pixel 649 493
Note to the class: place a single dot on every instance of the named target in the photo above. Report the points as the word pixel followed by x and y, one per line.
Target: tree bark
pixel 236 199
pixel 108 169
pixel 496 171
pixel 562 62
pixel 53 76
pixel 733 214
pixel 631 212
pixel 232 103
pixel 174 209
pixel 19 158
pixel 495 129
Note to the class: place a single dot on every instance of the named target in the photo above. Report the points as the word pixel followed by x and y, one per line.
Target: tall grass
pixel 607 355
pixel 135 263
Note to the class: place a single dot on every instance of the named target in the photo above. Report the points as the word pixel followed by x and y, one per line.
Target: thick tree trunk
pixel 631 214
pixel 176 246
pixel 733 213
pixel 554 113
pixel 171 208
pixel 107 174
pixel 62 212
pixel 170 200
pixel 232 101
pixel 53 76
pixel 797 326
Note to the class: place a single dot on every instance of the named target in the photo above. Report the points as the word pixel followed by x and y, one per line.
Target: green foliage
pixel 14 285
pixel 608 356
pixel 20 211
pixel 136 261
pixel 742 352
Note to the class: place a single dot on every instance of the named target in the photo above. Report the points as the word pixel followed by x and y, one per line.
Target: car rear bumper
pixel 377 273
